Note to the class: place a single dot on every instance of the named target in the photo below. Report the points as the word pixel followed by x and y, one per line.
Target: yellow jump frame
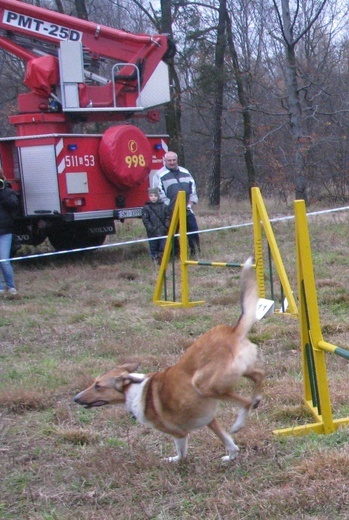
pixel 261 222
pixel 179 224
pixel 313 347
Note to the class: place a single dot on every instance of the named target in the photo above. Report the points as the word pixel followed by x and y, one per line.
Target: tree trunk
pixel 295 109
pixel 59 6
pixel 81 11
pixel 246 112
pixel 214 181
pixel 173 110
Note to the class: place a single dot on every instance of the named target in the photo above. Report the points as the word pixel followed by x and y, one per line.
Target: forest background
pixel 259 90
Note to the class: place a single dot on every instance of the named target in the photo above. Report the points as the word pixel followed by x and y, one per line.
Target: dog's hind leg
pixel 245 404
pixel 182 449
pixel 241 419
pixel 226 439
pixel 257 376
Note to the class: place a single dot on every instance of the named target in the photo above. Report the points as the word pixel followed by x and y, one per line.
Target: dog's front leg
pixel 182 449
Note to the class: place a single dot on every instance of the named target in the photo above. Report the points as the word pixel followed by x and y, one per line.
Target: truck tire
pixel 67 241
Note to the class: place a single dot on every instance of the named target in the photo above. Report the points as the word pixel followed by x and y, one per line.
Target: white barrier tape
pixel 142 240
pixel 116 244
pixel 54 253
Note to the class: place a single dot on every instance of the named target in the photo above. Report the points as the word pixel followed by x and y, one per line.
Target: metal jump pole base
pixel 313 348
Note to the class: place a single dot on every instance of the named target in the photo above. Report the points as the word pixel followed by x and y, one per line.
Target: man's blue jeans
pixel 5 266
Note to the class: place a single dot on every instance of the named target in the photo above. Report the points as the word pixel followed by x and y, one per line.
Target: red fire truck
pixel 74 184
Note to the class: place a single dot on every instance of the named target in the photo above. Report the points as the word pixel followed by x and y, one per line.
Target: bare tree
pixel 173 109
pixel 292 31
pixel 81 10
pixel 245 107
pixel 59 6
pixel 214 181
pixel 163 22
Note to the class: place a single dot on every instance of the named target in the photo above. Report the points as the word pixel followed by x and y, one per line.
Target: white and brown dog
pixel 186 396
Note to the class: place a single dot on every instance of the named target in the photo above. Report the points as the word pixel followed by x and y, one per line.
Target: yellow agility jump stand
pixel 316 391
pixel 260 217
pixel 178 222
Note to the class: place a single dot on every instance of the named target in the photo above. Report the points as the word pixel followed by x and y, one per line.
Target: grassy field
pixel 77 316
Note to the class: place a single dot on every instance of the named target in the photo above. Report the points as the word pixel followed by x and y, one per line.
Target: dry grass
pixel 77 316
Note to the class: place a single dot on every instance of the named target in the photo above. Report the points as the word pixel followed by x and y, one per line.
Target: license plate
pixel 128 213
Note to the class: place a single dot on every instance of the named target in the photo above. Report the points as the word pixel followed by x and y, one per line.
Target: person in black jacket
pixel 9 206
pixel 156 219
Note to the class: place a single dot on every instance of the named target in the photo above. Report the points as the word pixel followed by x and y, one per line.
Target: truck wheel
pixel 75 241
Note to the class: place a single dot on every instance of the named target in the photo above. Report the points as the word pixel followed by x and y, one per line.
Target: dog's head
pixel 109 388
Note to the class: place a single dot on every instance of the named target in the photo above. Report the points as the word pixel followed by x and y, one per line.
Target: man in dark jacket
pixel 156 219
pixel 170 180
pixel 9 206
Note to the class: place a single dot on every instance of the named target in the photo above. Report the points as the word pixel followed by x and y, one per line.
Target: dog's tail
pixel 249 299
